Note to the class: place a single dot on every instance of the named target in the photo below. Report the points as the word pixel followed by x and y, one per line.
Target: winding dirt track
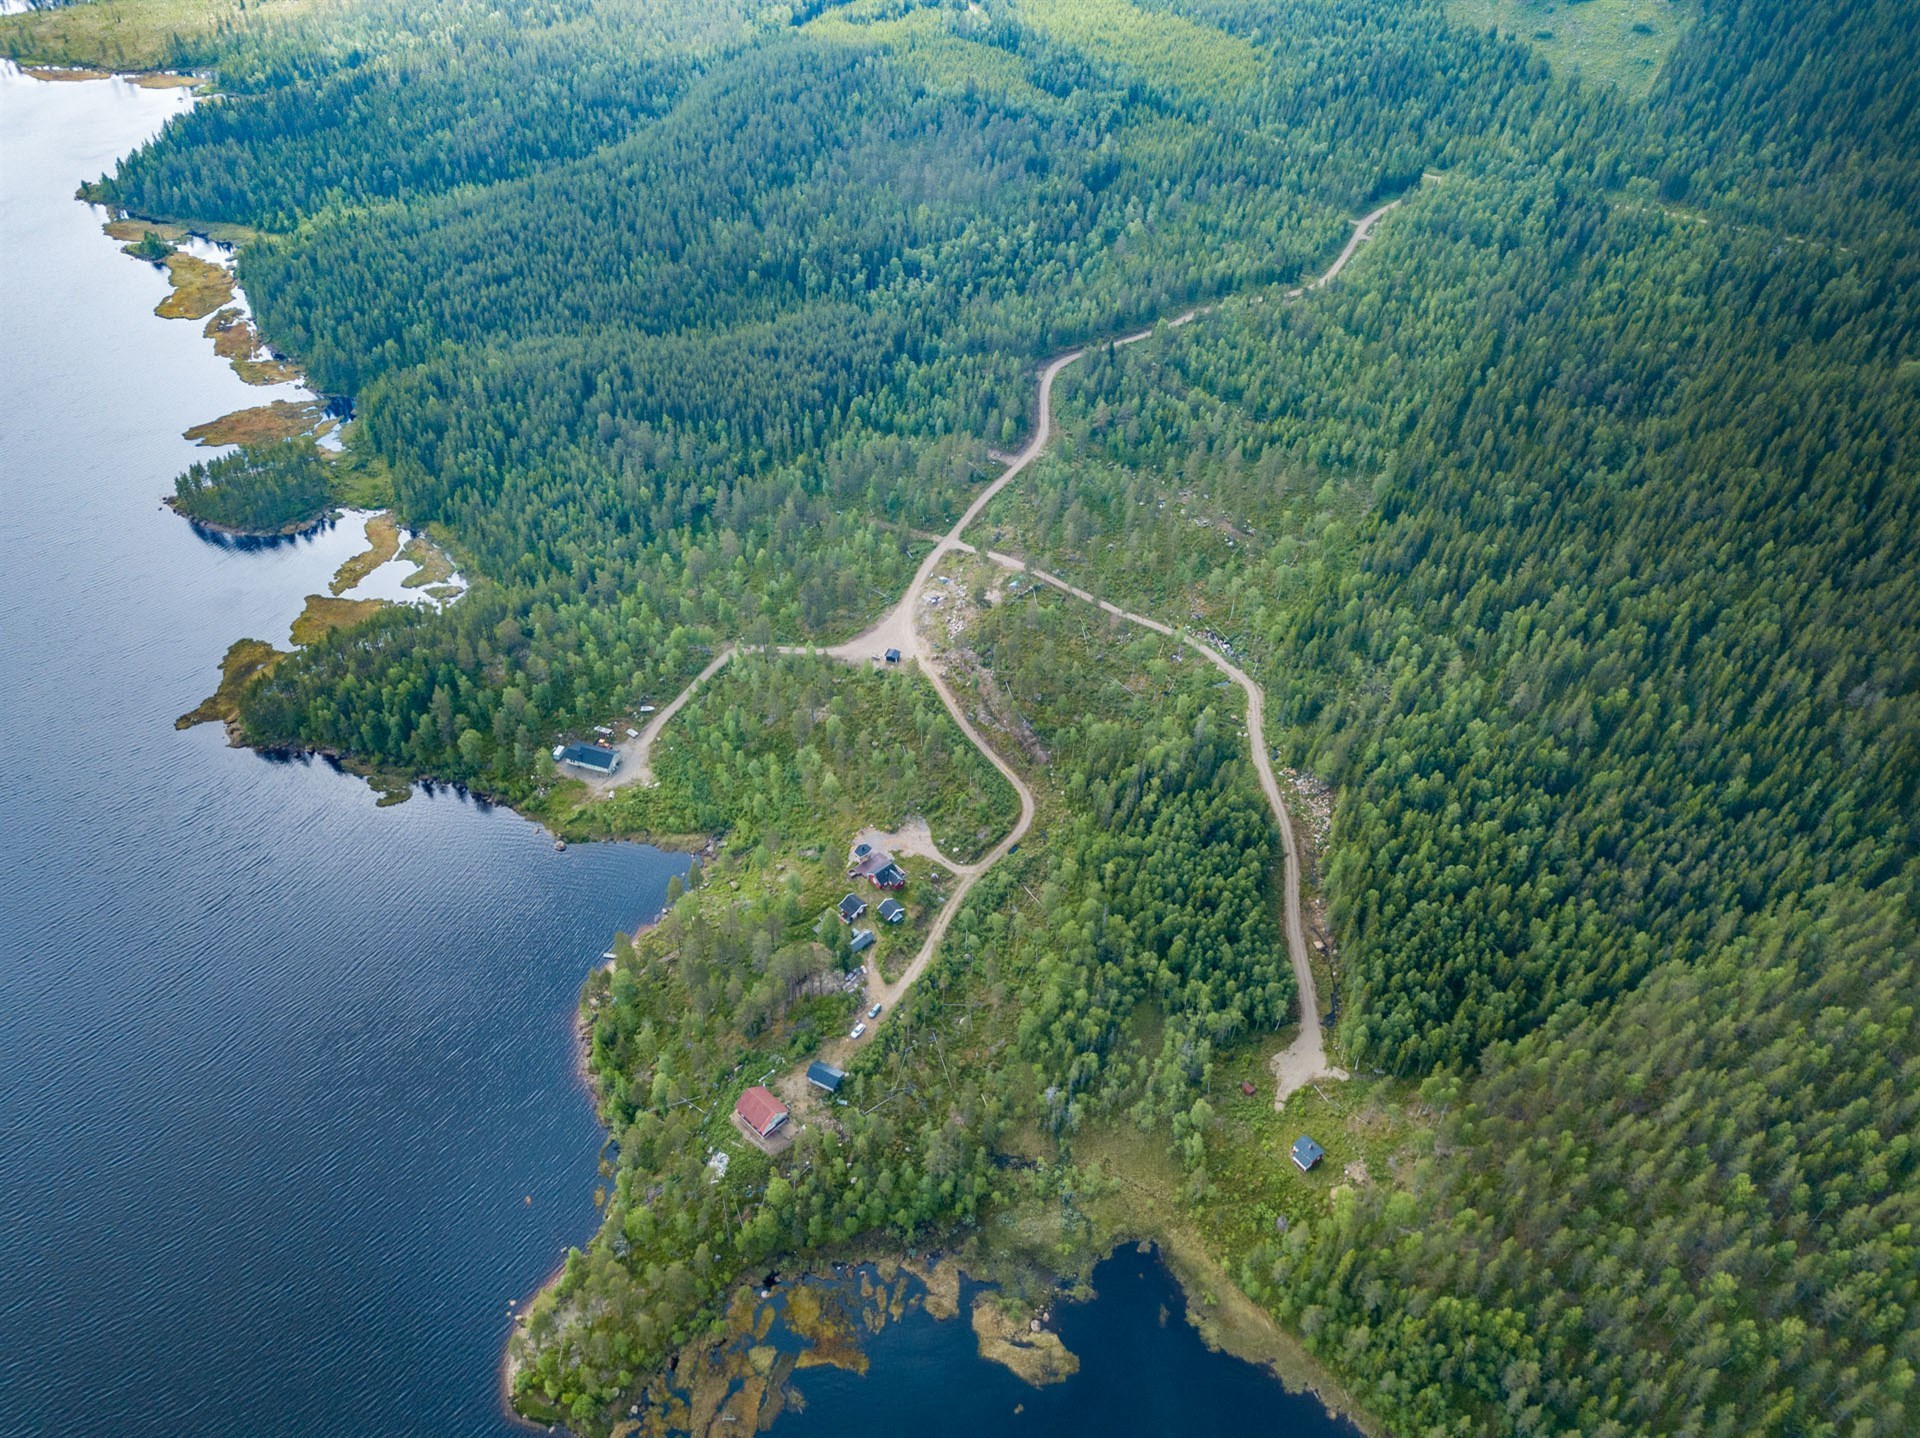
pixel 1305 1058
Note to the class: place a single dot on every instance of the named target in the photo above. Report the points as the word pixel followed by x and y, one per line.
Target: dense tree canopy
pixel 261 488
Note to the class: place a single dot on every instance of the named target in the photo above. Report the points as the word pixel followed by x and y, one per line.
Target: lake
pixel 289 1113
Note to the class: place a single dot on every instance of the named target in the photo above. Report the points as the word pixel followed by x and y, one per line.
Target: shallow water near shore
pixel 1144 1369
pixel 289 1112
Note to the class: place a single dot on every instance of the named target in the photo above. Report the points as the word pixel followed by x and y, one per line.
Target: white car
pixel 858 1029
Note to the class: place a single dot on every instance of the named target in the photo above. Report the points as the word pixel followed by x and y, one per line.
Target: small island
pixel 278 488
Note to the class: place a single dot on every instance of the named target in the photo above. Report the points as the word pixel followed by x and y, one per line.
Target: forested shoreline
pixel 1569 534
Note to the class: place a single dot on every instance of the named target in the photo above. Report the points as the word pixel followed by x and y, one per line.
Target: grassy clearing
pixel 1000 1327
pixel 323 615
pixel 1616 42
pixel 129 231
pixel 129 227
pixel 809 751
pixel 283 419
pixel 243 660
pixel 360 478
pixel 383 542
pixel 128 34
pixel 199 288
pixel 926 42
pixel 67 74
pixel 1166 49
pixel 1372 1131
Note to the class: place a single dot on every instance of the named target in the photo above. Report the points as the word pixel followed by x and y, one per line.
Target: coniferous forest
pixel 1571 535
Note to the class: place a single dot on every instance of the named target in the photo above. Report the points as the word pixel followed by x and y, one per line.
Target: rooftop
pixel 1306 1153
pixel 760 1111
pixel 587 756
pixel 824 1075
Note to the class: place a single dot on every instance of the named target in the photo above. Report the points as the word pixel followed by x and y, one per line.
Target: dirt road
pixel 1305 1058
pixel 636 755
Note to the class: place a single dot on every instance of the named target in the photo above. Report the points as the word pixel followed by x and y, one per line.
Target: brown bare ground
pixel 199 288
pixel 324 615
pixel 263 424
pixel 383 542
pixel 246 658
pixel 1005 1338
pixel 436 565
pixel 67 74
pixel 132 231
pixel 236 341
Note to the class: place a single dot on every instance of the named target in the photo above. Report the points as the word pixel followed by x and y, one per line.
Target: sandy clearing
pixel 912 837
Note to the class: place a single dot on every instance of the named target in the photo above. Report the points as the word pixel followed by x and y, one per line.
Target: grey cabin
pixel 590 757
pixel 825 1076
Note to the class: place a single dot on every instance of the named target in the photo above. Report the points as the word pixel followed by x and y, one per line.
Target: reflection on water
pixel 260 543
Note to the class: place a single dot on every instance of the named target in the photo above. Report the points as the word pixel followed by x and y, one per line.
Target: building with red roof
pixel 760 1112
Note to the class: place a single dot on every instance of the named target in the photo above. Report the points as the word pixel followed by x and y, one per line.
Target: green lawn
pixel 126 34
pixel 1620 42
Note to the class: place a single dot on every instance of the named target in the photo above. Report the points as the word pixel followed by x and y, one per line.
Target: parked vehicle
pixel 874 1012
pixel 858 1029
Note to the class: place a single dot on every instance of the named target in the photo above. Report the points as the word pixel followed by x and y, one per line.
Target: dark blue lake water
pixel 288 1107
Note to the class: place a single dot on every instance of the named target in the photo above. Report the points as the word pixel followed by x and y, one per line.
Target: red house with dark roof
pixel 760 1112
